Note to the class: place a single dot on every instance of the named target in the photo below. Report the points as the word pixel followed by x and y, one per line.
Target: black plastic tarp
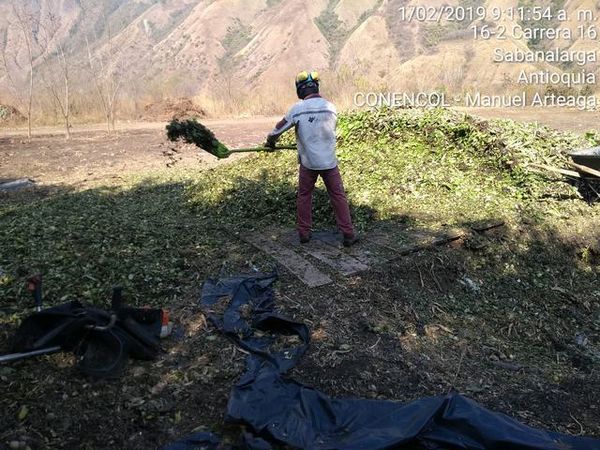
pixel 281 411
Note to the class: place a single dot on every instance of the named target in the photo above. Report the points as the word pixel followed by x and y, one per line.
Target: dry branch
pixel 585 169
pixel 565 172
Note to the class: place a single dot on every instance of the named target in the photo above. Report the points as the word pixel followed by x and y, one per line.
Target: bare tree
pixel 55 57
pixel 107 75
pixel 16 92
pixel 227 87
pixel 25 23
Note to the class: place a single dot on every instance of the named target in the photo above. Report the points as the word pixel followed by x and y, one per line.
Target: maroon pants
pixel 337 196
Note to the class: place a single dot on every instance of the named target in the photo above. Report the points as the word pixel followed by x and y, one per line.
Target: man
pixel 315 120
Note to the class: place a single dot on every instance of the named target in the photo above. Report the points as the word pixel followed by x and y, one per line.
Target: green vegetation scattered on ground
pixel 435 167
pixel 136 235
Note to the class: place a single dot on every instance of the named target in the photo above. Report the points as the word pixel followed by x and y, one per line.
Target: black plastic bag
pixel 102 341
pixel 282 411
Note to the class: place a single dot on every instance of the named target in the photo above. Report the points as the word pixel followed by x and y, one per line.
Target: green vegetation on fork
pixel 193 132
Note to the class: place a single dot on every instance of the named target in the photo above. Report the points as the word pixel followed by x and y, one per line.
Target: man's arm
pixel 281 127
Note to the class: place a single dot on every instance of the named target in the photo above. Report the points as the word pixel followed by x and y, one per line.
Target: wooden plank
pixel 332 255
pixel 299 266
pixel 329 237
pixel 365 251
pixel 372 249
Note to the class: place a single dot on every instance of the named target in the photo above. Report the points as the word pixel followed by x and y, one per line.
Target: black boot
pixel 350 239
pixel 304 238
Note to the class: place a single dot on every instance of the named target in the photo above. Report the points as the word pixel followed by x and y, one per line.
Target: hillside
pixel 219 49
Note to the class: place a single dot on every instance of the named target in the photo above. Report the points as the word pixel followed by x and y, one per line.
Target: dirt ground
pixel 378 335
pixel 92 155
pixel 422 325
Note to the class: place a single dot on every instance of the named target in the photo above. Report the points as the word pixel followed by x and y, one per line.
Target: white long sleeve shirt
pixel 315 121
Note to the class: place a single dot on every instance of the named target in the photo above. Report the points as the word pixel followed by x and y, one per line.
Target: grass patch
pixel 236 38
pixel 548 21
pixel 335 30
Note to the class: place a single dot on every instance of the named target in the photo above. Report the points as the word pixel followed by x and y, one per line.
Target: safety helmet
pixel 307 82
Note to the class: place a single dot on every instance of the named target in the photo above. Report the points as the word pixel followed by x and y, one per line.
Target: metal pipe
pixel 17 356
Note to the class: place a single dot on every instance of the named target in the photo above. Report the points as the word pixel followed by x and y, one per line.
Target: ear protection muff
pixel 306 80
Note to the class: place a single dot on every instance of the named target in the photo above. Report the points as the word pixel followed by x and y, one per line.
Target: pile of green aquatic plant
pixel 435 164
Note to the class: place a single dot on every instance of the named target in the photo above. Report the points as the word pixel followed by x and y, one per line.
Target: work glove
pixel 270 144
